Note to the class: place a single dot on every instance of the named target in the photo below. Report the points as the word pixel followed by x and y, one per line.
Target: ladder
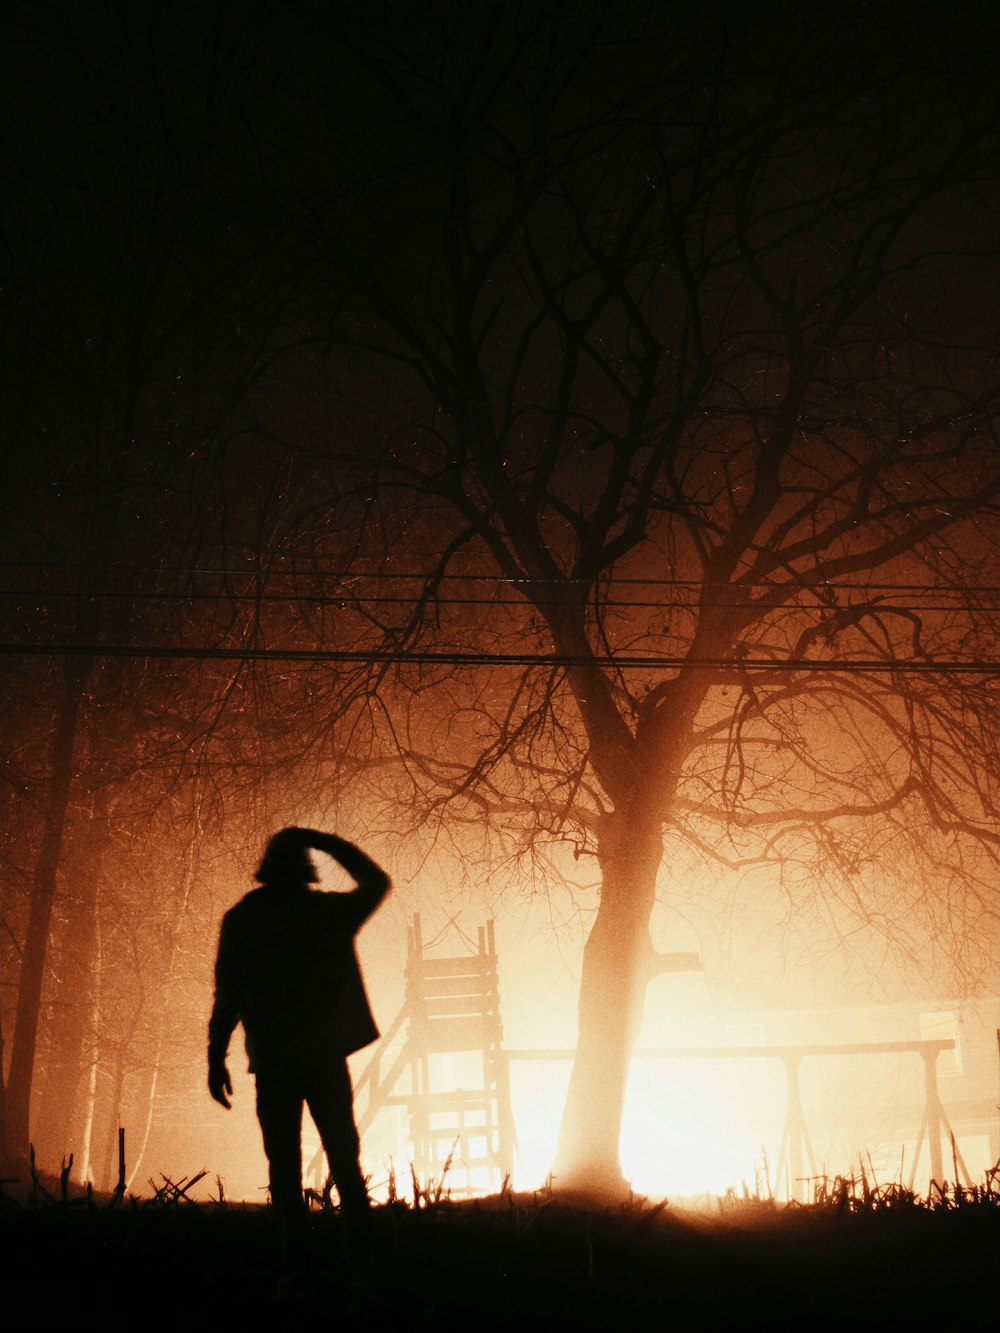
pixel 445 1063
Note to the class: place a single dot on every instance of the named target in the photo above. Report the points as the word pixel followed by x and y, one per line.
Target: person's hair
pixel 286 861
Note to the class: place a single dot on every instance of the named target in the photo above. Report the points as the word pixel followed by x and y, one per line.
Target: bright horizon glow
pixel 678 1137
pixel 684 1151
pixel 690 1131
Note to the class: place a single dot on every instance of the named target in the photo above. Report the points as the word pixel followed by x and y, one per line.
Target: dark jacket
pixel 287 970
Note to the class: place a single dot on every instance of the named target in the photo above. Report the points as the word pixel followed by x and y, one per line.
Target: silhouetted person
pixel 287 970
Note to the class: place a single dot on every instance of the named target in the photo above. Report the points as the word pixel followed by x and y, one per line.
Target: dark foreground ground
pixel 515 1262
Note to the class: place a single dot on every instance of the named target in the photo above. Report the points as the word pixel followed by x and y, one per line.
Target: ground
pixel 521 1262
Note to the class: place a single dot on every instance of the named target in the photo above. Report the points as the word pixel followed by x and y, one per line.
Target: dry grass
pixel 864 1251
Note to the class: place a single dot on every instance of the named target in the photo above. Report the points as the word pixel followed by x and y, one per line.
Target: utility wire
pixel 380 599
pixel 858 666
pixel 403 576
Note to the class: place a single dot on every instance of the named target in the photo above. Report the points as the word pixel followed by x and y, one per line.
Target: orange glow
pixel 682 1147
pixel 680 1136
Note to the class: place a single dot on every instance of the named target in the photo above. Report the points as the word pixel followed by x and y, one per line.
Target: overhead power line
pixel 415 576
pixel 349 601
pixel 446 657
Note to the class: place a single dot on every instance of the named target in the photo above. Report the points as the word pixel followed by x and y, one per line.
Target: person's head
pixel 286 861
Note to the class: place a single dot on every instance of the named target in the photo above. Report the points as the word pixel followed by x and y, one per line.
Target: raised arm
pixel 372 881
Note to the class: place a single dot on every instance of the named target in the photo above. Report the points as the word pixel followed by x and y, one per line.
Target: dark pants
pixel 327 1092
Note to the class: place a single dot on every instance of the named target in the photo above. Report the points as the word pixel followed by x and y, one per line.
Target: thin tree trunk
pixel 148 1125
pixel 175 948
pixel 116 1119
pixel 93 1052
pixel 17 1133
pixel 60 1095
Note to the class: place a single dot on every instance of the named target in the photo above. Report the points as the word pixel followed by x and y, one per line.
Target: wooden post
pixel 935 1116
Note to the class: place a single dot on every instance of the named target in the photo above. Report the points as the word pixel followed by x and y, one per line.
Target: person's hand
pixel 219 1084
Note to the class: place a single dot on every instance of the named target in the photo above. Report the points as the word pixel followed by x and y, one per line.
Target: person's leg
pixel 279 1110
pixel 331 1103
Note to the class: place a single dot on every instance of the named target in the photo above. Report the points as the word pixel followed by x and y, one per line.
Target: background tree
pixel 133 321
pixel 660 349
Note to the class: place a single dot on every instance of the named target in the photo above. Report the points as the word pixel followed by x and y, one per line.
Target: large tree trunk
pixel 612 988
pixel 22 1064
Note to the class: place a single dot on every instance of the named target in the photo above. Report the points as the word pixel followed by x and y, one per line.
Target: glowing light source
pixel 682 1146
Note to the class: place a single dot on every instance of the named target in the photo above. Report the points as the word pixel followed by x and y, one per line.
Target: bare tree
pixel 132 325
pixel 661 419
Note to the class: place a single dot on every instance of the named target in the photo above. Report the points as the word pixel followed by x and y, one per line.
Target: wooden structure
pixel 796 1147
pixel 443 1061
